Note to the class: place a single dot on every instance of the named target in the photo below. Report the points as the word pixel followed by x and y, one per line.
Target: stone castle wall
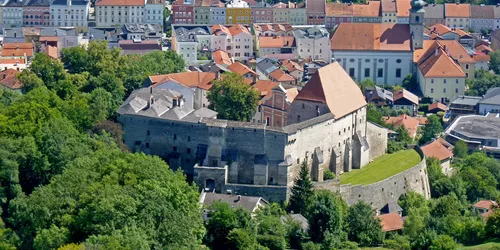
pixel 386 191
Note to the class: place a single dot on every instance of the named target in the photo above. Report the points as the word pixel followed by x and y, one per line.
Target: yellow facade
pixel 238 16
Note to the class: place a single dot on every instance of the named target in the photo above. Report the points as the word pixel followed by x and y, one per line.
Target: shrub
pixel 394 146
pixel 348 245
pixel 273 242
pixel 328 175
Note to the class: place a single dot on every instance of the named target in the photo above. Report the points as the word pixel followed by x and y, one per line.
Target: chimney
pixel 445 49
pixel 254 79
pixel 217 75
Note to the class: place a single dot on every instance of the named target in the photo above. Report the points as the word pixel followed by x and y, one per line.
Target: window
pixel 398 61
pixel 175 137
pixel 444 81
pixel 432 80
pixel 467 75
pixel 444 90
pixel 380 72
pixel 188 150
pixel 268 121
pixel 456 90
pixel 298 118
pixel 148 132
pixel 174 149
pixel 367 72
pixel 351 72
pixel 398 73
pixel 466 66
pixel 456 81
pixel 147 144
pixel 432 90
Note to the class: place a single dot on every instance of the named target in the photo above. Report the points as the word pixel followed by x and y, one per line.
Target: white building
pixel 153 11
pixel 366 55
pixel 192 42
pixel 113 12
pixel 236 40
pixel 12 13
pixel 69 13
pixel 218 15
pixel 490 102
pixel 313 42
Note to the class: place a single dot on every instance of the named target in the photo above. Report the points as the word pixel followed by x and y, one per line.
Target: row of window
pixel 444 81
pixel 380 73
pixel 444 90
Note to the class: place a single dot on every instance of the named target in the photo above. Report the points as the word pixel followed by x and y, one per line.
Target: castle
pixel 326 127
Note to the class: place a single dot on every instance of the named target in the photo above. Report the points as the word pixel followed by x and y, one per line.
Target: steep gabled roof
pixel 405 94
pixel 221 57
pixel 372 37
pixel 334 87
pixel 403 7
pixel 8 78
pixel 240 69
pixel 370 9
pixel 339 9
pixel 436 150
pixel 457 10
pixel 439 64
pixel 391 222
pixel 201 80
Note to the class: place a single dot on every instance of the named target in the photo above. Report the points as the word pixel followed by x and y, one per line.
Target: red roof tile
pixel 440 64
pixel 436 150
pixel 292 66
pixel 240 69
pixel 372 36
pixel 370 9
pixel 17 46
pixel 391 222
pixel 265 87
pixel 457 10
pixel 280 76
pixel 403 93
pixel 339 9
pixel 221 57
pixel 8 78
pixel 334 87
pixel 403 7
pixel 201 80
pixel 437 105
pixel 388 5
pixel 51 51
pixel 410 123
pixel 485 204
pixel 276 42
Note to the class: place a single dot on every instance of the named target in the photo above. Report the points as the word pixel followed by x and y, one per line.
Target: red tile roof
pixel 17 46
pixel 276 42
pixel 485 204
pixel 280 76
pixel 391 222
pixel 291 93
pixel 440 64
pixel 120 3
pixel 372 36
pixel 436 150
pixel 221 57
pixel 17 52
pixel 237 29
pixel 265 87
pixel 334 87
pixel 410 123
pixel 403 93
pixel 388 5
pixel 403 7
pixel 484 48
pixel 481 56
pixel 457 10
pixel 339 9
pixel 8 78
pixel 201 80
pixel 51 51
pixel 12 61
pixel 437 105
pixel 292 66
pixel 240 69
pixel 370 9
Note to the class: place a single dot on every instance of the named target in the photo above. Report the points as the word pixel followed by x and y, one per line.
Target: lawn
pixel 481 247
pixel 381 168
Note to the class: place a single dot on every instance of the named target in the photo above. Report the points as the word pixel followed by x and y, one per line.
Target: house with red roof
pixel 391 222
pixel 410 123
pixel 436 107
pixel 404 99
pixel 8 79
pixel 437 149
pixel 485 207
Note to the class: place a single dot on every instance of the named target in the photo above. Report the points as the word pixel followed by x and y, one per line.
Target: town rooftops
pixel 437 150
pixel 388 5
pixel 155 2
pixel 73 2
pixel 51 51
pixel 272 27
pixel 265 87
pixel 492 96
pixel 334 87
pixel 221 57
pixel 378 92
pixel 189 33
pixel 276 41
pixel 37 3
pixel 57 32
pixel 405 94
pixel 437 106
pixel 370 9
pixel 249 203
pixel 316 7
pixel 134 47
pixel 8 79
pixel 372 37
pixel 391 222
pixel 119 2
pixel 163 104
pixel 17 50
pixel 314 32
pixel 457 10
pixel 291 65
pixel 18 46
pixel 234 30
pixel 240 69
pixel 142 28
pixel 13 3
pixel 466 100
pixel 482 11
pixel 193 79
pixel 439 64
pixel 280 76
pixel 410 123
pixel 339 9
pixel 403 7
pixel 434 11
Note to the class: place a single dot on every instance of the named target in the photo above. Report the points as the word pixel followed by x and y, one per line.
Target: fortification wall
pixel 386 191
pixel 377 139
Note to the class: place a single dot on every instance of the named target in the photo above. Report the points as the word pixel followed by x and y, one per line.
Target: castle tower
pixel 417 23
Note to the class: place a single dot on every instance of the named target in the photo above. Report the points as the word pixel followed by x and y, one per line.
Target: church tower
pixel 417 23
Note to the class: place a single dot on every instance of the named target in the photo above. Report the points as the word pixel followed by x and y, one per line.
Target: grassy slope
pixel 381 168
pixel 484 246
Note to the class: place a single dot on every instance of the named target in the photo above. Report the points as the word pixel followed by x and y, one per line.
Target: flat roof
pixel 476 126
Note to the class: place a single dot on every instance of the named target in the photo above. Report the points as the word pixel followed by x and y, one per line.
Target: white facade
pixel 382 67
pixel 69 14
pixel 481 65
pixel 487 108
pixel 242 46
pixel 107 16
pixel 441 89
pixel 218 15
pixel 187 50
pixel 478 24
pixel 153 13
pixel 316 49
pixel 403 20
pixel 297 16
pixel 12 16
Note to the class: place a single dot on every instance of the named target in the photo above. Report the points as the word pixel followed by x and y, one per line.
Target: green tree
pixel 493 224
pixel 362 225
pixel 366 83
pixel 240 239
pixel 432 129
pixel 75 59
pixel 223 219
pixel 301 192
pixel 460 150
pixel 373 114
pixel 403 135
pixel 495 61
pixel 30 80
pixel 232 98
pixel 410 82
pixel 51 238
pixel 326 218
pixel 443 242
pixel 49 70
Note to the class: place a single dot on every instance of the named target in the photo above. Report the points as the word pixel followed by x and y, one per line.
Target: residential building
pixel 485 207
pixel 434 14
pixel 218 13
pixel 13 35
pixel 463 105
pixel 272 30
pixel 479 132
pixel 113 12
pixel 37 13
pixel 389 11
pixel 436 107
pixel 262 14
pixel 315 10
pixel 221 57
pixel 313 43
pixel 338 13
pixel 495 40
pixel 250 203
pixel 378 96
pixel 70 13
pixel 8 80
pixel 281 77
pixel 457 15
pixel 192 42
pixel 279 47
pixel 391 222
pixel 482 60
pixel 182 12
pixel 264 67
pixel 202 9
pixel 380 52
pixel 280 13
pixel 293 69
pixel 236 40
pixel 153 11
pixel 367 13
pixel 12 13
pixel 443 32
pixel 138 47
pixel 242 70
pixel 142 31
pixel 21 52
pixel 58 37
pixel 404 99
pixel 297 13
pixel 403 14
pixel 274 103
pixel 490 102
pixel 410 123
pixel 13 63
pixel 482 17
pixel 436 149
pixel 238 12
pixel 496 24
pixel 111 35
